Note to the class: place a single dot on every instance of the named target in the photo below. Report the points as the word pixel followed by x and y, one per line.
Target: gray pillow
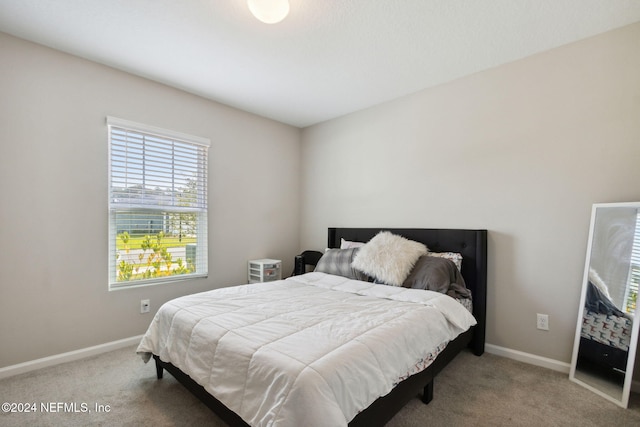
pixel 338 262
pixel 439 275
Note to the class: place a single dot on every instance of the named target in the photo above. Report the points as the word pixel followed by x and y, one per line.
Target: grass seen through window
pixel 150 256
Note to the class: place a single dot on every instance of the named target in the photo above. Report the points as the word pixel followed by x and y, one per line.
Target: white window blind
pixel 157 204
pixel 631 297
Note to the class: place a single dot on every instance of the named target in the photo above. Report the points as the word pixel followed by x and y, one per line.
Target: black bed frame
pixel 472 244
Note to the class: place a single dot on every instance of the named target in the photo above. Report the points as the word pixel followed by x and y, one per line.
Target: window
pixel 631 296
pixel 157 205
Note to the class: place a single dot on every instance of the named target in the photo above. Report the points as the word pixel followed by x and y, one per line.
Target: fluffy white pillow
pixel 388 257
pixel 597 281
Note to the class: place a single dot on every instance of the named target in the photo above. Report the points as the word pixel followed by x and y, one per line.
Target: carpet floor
pixel 118 389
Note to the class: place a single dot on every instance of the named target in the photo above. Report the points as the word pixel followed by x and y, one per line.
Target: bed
pixel 471 244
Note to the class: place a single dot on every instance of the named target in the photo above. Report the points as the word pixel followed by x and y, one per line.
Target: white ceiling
pixel 326 59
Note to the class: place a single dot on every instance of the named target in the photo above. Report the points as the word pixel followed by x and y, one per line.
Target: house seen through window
pixel 157 204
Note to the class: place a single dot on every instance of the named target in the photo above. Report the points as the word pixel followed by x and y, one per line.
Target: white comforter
pixel 311 350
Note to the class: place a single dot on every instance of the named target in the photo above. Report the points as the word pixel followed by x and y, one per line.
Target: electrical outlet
pixel 144 306
pixel 543 321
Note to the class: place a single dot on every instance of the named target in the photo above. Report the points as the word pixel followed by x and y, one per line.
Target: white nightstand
pixel 264 270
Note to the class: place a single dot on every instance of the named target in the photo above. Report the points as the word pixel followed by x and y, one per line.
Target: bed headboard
pixel 472 244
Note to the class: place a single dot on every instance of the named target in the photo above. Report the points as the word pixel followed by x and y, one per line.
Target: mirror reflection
pixel 606 334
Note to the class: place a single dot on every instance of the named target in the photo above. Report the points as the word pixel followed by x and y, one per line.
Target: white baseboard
pixel 70 356
pixel 529 358
pixel 544 362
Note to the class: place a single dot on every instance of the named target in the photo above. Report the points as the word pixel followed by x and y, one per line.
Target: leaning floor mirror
pixel 606 338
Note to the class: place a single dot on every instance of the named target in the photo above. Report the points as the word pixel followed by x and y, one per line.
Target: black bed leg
pixel 427 395
pixel 159 369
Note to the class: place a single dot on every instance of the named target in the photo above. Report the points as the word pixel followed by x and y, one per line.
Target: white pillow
pixel 388 257
pixel 346 244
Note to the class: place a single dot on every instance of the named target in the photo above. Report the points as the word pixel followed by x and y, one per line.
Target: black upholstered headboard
pixel 472 244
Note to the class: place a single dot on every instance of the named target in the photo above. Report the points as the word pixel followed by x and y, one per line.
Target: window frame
pixel 201 210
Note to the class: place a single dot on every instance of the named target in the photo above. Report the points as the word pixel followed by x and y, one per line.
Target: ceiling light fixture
pixel 269 11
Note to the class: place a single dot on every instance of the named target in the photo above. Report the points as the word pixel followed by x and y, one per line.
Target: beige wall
pixel 53 192
pixel 522 150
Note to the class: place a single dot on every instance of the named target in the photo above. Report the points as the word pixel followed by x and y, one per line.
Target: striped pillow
pixel 338 262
